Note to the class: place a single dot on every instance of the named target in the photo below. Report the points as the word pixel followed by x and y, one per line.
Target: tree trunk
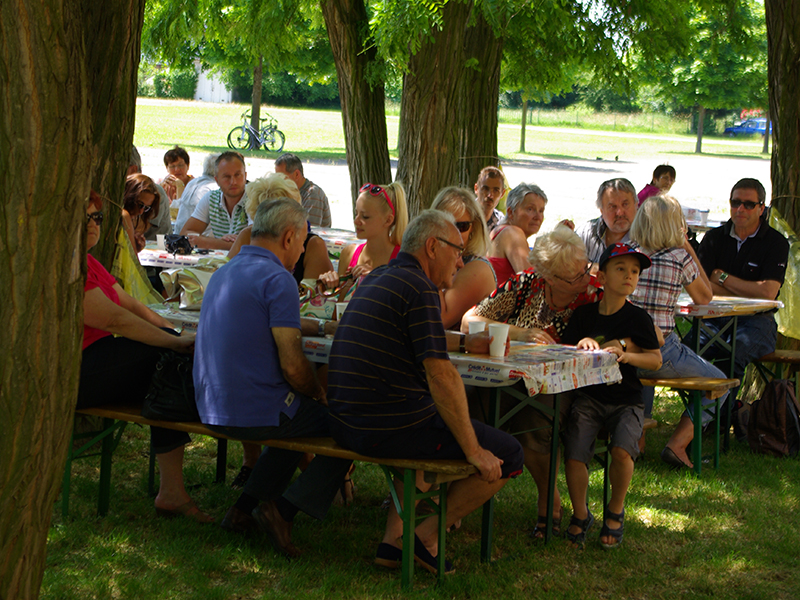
pixel 522 126
pixel 480 89
pixel 783 48
pixel 68 89
pixel 765 147
pixel 363 101
pixel 255 106
pixel 430 139
pixel 112 69
pixel 701 117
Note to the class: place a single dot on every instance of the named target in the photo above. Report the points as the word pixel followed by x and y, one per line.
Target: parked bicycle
pixel 245 137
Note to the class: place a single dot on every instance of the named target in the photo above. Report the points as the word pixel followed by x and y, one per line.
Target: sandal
pixel 344 497
pixel 606 531
pixel 579 539
pixel 540 530
pixel 242 477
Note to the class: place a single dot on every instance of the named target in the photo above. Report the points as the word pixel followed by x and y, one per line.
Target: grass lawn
pixel 317 134
pixel 730 534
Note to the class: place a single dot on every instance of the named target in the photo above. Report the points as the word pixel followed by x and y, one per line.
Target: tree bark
pixel 112 33
pixel 430 139
pixel 523 125
pixel 480 88
pixel 362 98
pixel 255 106
pixel 765 147
pixel 701 117
pixel 68 90
pixel 783 52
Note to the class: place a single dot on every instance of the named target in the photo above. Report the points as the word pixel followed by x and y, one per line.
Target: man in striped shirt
pixel 392 390
pixel 222 209
pixel 314 199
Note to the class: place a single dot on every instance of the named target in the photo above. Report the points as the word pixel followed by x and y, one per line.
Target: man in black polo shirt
pixel 392 390
pixel 745 257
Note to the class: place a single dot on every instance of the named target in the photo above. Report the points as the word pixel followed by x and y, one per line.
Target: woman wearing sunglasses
pixel 381 217
pixel 509 249
pixel 140 205
pixel 122 342
pixel 475 280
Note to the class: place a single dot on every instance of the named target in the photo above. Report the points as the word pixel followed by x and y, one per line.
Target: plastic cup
pixel 340 308
pixel 477 326
pixel 703 217
pixel 160 241
pixel 499 333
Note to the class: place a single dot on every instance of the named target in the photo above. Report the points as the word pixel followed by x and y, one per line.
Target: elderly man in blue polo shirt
pixel 393 391
pixel 253 382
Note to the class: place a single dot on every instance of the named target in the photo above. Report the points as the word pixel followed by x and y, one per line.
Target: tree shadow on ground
pixel 555 162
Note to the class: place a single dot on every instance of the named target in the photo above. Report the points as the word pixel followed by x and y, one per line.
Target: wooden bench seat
pixel 692 390
pixel 440 472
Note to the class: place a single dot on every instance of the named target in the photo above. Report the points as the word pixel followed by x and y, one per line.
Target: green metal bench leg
pixel 551 480
pixel 104 495
pixel 408 514
pixel 222 459
pixel 65 483
pixel 697 441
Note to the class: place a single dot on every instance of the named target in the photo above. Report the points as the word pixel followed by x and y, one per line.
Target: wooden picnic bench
pixel 440 472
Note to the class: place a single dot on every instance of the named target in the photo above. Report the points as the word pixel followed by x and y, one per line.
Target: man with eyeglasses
pixel 745 257
pixel 392 390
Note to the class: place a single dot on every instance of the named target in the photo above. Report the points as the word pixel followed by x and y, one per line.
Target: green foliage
pixel 178 83
pixel 284 89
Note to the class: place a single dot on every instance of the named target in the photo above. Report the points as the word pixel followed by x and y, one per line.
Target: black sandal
pixel 540 530
pixel 606 531
pixel 579 539
pixel 241 478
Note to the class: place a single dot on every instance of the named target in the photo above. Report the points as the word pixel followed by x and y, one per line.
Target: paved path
pixel 571 185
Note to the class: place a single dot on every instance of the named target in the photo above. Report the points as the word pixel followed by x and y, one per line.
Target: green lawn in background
pixel 317 134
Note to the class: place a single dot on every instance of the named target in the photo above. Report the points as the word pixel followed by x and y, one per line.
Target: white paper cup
pixel 477 326
pixel 703 217
pixel 160 241
pixel 340 308
pixel 499 333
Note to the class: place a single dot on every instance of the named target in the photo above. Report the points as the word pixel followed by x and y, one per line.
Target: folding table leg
pixel 408 516
pixel 697 442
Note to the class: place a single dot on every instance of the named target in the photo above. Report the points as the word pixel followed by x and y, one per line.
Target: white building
pixel 209 87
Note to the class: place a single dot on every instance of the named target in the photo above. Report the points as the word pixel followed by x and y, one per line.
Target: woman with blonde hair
pixel 660 229
pixel 314 260
pixel 476 279
pixel 381 218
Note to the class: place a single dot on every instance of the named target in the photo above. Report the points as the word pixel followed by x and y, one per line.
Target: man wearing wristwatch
pixel 745 257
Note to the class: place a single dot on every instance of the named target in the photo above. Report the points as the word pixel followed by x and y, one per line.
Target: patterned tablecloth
pixel 153 257
pixel 544 369
pixel 335 239
pixel 183 319
pixel 724 306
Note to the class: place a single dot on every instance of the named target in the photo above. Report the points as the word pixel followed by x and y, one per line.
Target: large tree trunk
pixel 783 47
pixel 429 140
pixel 363 101
pixel 255 106
pixel 480 89
pixel 112 33
pixel 68 89
pixel 701 117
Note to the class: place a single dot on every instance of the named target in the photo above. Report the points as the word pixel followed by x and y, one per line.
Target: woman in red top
pixel 122 342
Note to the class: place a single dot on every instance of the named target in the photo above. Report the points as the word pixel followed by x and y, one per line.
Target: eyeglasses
pixel 748 204
pixel 458 248
pixel 578 278
pixel 97 217
pixel 376 190
pixel 143 206
pixel 463 226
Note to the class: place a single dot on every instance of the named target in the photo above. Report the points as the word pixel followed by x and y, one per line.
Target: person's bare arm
pixel 649 360
pixel 766 289
pixel 316 260
pixel 243 239
pixel 472 283
pixel 130 303
pixel 515 333
pixel 514 245
pixel 101 313
pixel 450 398
pixel 703 287
pixel 194 228
pixel 296 368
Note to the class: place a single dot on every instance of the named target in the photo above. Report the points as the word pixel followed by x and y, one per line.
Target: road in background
pixel 703 181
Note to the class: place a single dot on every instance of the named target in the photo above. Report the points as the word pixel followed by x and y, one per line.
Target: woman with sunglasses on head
pixel 380 218
pixel 509 249
pixel 140 205
pixel 122 342
pixel 537 304
pixel 476 279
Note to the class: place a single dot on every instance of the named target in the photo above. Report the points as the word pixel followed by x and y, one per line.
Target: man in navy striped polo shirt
pixel 392 390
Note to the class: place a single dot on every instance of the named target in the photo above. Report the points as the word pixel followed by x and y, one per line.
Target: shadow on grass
pixel 718 155
pixel 555 162
pixel 328 156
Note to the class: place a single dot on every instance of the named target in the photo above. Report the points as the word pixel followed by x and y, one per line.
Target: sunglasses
pixel 463 226
pixel 748 204
pixel 578 278
pixel 376 190
pixel 458 248
pixel 143 206
pixel 97 217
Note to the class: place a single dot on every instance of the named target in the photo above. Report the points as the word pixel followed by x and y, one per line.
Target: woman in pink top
pixel 509 249
pixel 381 218
pixel 122 342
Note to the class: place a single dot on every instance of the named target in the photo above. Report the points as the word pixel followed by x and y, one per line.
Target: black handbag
pixel 171 393
pixel 177 244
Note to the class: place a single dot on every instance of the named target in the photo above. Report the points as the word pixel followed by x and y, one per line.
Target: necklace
pixel 552 301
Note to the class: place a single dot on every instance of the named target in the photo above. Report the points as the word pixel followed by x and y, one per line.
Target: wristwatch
pixel 722 277
pixel 321 328
pixel 462 344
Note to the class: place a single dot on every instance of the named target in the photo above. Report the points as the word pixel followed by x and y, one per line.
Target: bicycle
pixel 245 137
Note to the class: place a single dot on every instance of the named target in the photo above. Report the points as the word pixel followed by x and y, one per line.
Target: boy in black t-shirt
pixel 617 326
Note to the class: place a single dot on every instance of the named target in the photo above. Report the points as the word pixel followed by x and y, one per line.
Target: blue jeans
pixel 678 360
pixel 313 491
